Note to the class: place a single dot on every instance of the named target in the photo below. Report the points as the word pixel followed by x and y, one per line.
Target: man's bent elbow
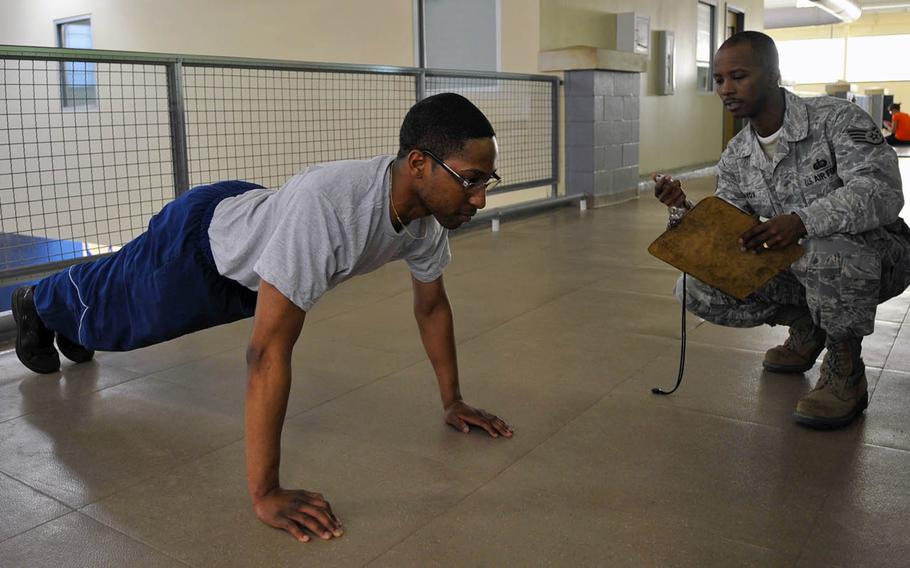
pixel 255 358
pixel 426 311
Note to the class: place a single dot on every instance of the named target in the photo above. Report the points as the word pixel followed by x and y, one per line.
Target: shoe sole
pixel 832 423
pixel 77 354
pixel 16 299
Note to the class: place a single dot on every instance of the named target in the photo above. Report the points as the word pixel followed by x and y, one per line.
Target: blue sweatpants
pixel 161 285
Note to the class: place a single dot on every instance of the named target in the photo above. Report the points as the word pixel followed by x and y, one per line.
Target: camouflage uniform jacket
pixel 832 168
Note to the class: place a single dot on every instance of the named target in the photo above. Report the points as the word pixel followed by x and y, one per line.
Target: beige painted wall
pixel 374 32
pixel 676 130
pixel 520 35
pixel 337 31
pixel 871 24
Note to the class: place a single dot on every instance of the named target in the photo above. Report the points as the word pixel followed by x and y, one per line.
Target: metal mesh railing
pixel 265 125
pixel 81 178
pixel 521 113
pixel 83 167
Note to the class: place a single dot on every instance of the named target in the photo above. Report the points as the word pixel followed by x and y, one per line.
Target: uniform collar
pixel 796 118
pixel 795 127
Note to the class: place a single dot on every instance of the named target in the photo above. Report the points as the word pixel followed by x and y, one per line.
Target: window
pixel 878 58
pixel 704 47
pixel 78 83
pixel 854 59
pixel 811 60
pixel 461 34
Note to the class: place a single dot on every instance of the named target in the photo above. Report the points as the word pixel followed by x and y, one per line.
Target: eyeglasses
pixel 467 185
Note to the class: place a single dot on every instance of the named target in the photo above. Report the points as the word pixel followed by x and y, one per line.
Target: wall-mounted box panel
pixel 666 62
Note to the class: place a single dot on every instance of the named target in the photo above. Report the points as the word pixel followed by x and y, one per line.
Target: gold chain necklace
pixel 395 211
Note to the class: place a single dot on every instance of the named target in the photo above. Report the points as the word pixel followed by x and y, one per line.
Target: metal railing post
pixel 177 118
pixel 554 128
pixel 421 85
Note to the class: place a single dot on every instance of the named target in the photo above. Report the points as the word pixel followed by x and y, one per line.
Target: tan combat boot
pixel 800 350
pixel 841 393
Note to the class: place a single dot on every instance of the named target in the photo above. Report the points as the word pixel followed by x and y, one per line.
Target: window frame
pixel 708 65
pixel 67 101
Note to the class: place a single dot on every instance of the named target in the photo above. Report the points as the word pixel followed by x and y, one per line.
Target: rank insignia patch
pixel 866 135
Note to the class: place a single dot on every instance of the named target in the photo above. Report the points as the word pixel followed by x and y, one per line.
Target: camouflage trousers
pixel 840 280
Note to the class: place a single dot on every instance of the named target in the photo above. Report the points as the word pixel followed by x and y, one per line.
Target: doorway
pixel 734 22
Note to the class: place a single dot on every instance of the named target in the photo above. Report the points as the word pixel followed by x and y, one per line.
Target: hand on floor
pixel 298 511
pixel 460 415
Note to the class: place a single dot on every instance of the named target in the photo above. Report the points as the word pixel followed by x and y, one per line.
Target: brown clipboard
pixel 705 244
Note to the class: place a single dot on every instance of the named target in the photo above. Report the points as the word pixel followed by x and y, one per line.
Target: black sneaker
pixel 73 351
pixel 34 341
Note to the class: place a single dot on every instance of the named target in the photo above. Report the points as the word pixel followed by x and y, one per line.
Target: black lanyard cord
pixel 682 349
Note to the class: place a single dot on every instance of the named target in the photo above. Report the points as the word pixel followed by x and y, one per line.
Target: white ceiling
pixel 773 4
pixel 785 14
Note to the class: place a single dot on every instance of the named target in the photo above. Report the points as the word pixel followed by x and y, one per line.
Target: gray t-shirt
pixel 326 224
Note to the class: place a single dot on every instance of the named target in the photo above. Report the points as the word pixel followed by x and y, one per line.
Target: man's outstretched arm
pixel 434 318
pixel 275 331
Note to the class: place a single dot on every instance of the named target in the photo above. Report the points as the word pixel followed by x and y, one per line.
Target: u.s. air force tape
pixel 866 135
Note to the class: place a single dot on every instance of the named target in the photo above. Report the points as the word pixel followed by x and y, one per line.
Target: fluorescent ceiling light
pixel 844 10
pixel 887 6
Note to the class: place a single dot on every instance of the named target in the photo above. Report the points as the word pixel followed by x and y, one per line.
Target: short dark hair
pixel 763 49
pixel 894 106
pixel 442 124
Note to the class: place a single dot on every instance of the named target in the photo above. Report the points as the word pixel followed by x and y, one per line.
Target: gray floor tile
pixel 876 347
pixel 481 250
pixel 895 309
pixel 758 339
pixel 520 526
pixel 181 350
pixel 390 325
pixel 899 358
pixel 743 481
pixel 584 317
pixel 887 422
pixel 76 540
pixel 322 370
pixel 200 512
pixel 866 517
pixel 403 413
pixel 22 391
pixel 385 282
pixel 24 508
pixel 531 361
pixel 630 483
pixel 505 375
pixel 522 284
pixel 642 280
pixel 99 444
pixel 731 383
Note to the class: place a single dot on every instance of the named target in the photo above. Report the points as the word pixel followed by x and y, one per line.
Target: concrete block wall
pixel 602 132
